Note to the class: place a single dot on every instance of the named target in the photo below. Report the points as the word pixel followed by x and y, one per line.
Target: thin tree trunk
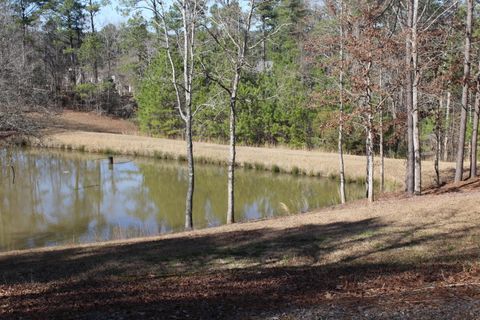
pixel 473 153
pixel 370 156
pixel 24 43
pixel 410 172
pixel 470 109
pixel 188 112
pixel 382 154
pixel 466 76
pixel 231 160
pixel 447 127
pixel 264 45
pixel 240 61
pixel 343 197
pixel 381 142
pixel 415 118
pixel 470 121
pixel 231 169
pixel 191 175
pixel 156 19
pixel 73 70
pixel 184 95
pixel 437 141
pixel 95 62
pixel 369 142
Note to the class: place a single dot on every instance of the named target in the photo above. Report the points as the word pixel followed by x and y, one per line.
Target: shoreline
pixel 296 162
pixel 334 213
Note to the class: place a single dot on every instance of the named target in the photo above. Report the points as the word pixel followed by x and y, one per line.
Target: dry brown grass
pixel 401 229
pixel 310 162
pixel 94 133
pixel 388 250
pixel 88 121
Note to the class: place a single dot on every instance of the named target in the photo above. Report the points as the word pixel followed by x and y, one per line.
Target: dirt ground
pixel 413 258
pixel 90 122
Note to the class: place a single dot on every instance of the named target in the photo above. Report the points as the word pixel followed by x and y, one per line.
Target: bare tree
pixel 17 94
pixel 465 91
pixel 447 126
pixel 438 133
pixel 473 153
pixel 410 174
pixel 369 127
pixel 417 22
pixel 330 45
pixel 343 197
pixel 231 33
pixel 381 144
pixel 93 8
pixel 415 106
pixel 366 47
pixel 182 78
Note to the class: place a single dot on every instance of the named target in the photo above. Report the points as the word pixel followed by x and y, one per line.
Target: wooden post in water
pixel 110 162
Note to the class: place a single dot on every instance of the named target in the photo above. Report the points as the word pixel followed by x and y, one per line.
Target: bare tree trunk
pixel 415 119
pixel 231 160
pixel 73 62
pixel 410 172
pixel 156 18
pixel 231 170
pixel 381 142
pixel 343 197
pixel 370 156
pixel 382 155
pixel 95 62
pixel 189 10
pixel 447 127
pixel 466 76
pixel 188 77
pixel 470 121
pixel 24 41
pixel 369 142
pixel 191 175
pixel 437 141
pixel 264 45
pixel 473 153
pixel 242 47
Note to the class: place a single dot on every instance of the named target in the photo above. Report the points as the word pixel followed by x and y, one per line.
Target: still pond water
pixel 67 197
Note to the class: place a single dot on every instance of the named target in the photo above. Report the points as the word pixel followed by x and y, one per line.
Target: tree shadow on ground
pixel 462 186
pixel 223 275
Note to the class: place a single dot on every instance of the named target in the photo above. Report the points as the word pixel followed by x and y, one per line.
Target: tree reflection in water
pixel 68 197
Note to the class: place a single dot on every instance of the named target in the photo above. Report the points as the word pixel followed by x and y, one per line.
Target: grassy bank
pixel 359 255
pixel 314 163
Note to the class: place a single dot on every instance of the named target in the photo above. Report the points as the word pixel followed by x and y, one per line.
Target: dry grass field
pixel 92 133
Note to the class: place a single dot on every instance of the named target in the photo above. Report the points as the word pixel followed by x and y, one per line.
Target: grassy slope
pixel 310 162
pixel 416 253
pixel 362 253
pixel 91 132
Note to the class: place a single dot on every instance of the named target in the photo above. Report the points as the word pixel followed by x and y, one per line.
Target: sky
pixel 109 14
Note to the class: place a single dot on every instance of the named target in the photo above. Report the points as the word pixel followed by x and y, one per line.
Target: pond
pixel 57 197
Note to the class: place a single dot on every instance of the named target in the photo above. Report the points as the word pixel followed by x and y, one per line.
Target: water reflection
pixel 66 197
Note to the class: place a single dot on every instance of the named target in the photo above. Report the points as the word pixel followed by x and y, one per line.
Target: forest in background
pixel 57 56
